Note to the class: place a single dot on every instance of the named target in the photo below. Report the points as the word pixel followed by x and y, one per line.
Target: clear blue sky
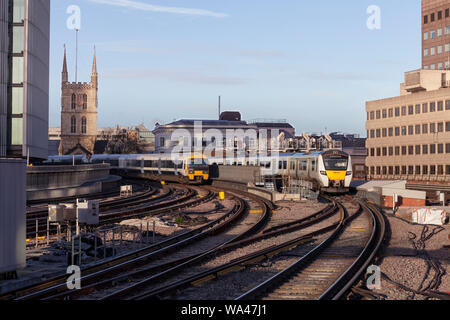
pixel 314 63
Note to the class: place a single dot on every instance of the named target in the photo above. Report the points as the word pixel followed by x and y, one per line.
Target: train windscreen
pixel 336 163
pixel 197 162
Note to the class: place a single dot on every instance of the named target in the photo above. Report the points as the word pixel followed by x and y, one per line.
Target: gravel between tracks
pixel 407 266
pixel 233 284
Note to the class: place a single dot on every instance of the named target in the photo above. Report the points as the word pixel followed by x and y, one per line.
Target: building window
pixel 447 47
pixel 440 169
pixel 397 170
pixel 84 98
pixel 391 151
pixel 440 105
pixel 404 111
pixel 417 108
pixel 425 108
pixel 425 19
pixel 439 50
pixel 410 169
pixel 432 53
pixel 432 66
pixel 440 127
pixel 410 110
pixel 391 170
pixel 404 149
pixel 403 170
pixel 384 113
pixel 432 106
pixel 418 129
pixel 74 101
pixel 384 132
pixel 418 150
pixel 447 169
pixel 439 15
pixel 83 125
pixel 384 151
pixel 432 169
pixel 378 114
pixel 397 131
pixel 378 170
pixel 439 32
pixel 425 36
pixel 432 149
pixel 432 17
pixel 440 66
pixel 425 149
pixel 404 131
pixel 16 131
pixel 410 130
pixel 397 111
pixel 440 148
pixel 372 152
pixel 425 128
pixel 397 151
pixel 372 115
pixel 378 152
pixel 447 148
pixel 447 13
pixel 391 131
pixel 447 126
pixel 432 128
pixel 384 170
pixel 447 105
pixel 372 134
pixel 425 170
pixel 378 133
pixel 411 150
pixel 73 125
pixel 391 112
pixel 418 170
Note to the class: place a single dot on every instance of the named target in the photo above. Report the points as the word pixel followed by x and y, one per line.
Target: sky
pixel 313 63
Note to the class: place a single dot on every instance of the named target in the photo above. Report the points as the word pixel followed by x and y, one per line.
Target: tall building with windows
pixel 24 86
pixel 78 113
pixel 24 78
pixel 409 135
pixel 435 34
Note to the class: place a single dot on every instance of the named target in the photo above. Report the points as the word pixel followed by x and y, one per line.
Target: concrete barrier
pixel 48 182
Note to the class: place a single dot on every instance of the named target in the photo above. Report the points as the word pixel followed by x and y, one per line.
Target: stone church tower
pixel 78 113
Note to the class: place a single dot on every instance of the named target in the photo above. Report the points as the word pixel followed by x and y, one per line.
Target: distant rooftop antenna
pixel 76 56
pixel 219 106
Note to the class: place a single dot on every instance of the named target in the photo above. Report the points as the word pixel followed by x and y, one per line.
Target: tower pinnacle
pixel 65 75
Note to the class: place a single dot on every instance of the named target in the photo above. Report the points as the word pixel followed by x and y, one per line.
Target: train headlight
pixel 349 173
pixel 324 173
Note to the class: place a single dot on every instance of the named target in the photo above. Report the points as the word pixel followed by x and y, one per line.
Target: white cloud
pixel 149 7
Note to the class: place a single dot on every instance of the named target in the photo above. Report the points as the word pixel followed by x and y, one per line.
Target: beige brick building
pixel 436 34
pixel 78 113
pixel 409 135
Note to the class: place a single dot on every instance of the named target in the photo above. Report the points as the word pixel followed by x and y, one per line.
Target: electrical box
pixel 56 213
pixel 88 212
pixel 70 211
pixel 126 190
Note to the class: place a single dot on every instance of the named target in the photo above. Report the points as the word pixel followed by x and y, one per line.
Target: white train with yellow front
pixel 329 171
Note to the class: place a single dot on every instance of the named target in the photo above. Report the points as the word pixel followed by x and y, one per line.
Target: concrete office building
pixel 409 135
pixel 24 84
pixel 435 34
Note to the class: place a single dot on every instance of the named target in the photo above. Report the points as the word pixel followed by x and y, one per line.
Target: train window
pixel 285 163
pixel 292 165
pixel 303 165
pixel 280 165
pixel 313 165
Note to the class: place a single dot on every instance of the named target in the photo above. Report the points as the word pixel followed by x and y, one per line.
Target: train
pixel 329 171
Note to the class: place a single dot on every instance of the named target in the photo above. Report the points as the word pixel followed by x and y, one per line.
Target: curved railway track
pixel 169 268
pixel 135 259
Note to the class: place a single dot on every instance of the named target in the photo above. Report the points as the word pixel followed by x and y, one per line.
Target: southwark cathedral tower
pixel 78 113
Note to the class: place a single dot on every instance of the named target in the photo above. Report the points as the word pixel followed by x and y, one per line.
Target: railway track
pixel 154 272
pixel 329 270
